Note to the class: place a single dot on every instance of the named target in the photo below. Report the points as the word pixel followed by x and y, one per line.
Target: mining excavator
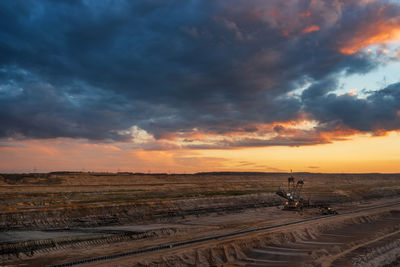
pixel 295 201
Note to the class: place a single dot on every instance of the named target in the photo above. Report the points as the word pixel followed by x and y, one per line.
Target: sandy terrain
pixel 370 238
pixel 57 218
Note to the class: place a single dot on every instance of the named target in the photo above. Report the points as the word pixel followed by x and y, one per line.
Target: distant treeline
pixel 243 173
pixel 46 175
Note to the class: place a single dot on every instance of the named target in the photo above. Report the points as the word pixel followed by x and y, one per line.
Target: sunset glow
pixel 382 34
pixel 150 86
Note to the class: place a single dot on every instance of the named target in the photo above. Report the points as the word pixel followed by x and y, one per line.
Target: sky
pixel 200 85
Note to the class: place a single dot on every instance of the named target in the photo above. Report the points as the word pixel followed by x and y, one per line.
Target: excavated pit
pixel 61 217
pixel 361 241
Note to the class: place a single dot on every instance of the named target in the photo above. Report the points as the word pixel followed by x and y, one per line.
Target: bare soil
pixel 60 217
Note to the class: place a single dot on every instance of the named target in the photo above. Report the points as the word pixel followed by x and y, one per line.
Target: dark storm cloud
pixel 92 69
pixel 379 111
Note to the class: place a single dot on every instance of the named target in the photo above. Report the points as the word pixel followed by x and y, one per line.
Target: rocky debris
pixel 380 256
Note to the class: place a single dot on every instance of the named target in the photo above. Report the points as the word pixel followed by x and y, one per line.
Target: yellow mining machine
pixel 294 200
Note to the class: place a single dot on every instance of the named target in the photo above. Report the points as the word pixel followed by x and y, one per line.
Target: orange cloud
pixel 331 155
pixel 76 155
pixel 376 34
pixel 273 13
pixel 339 133
pixel 311 28
pixel 305 14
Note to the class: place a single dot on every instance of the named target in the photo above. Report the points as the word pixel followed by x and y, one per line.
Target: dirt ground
pixel 368 239
pixel 55 218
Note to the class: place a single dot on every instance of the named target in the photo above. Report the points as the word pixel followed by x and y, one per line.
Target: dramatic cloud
pixel 384 29
pixel 377 113
pixel 163 75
